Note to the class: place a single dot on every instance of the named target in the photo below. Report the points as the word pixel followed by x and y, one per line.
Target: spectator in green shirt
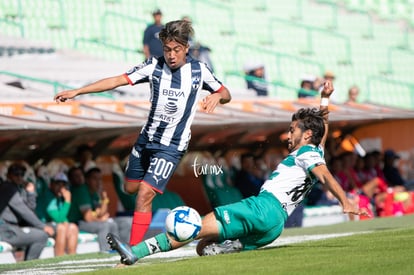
pixel 89 208
pixel 53 208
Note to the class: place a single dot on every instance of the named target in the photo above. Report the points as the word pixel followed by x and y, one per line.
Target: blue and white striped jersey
pixel 174 98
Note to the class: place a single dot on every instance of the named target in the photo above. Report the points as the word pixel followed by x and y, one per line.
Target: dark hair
pixel 16 168
pixel 311 119
pixel 83 148
pixel 246 156
pixel 179 31
pixel 72 170
pixel 91 171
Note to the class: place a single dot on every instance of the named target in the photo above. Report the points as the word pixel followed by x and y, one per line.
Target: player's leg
pixel 262 238
pixel 130 254
pixel 138 163
pixel 248 224
pixel 211 238
pixel 160 243
pixel 142 217
pixel 210 231
pixel 159 167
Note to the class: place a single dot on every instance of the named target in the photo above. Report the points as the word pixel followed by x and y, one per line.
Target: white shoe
pixel 225 247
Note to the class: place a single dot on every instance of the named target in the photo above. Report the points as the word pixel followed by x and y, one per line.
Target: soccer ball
pixel 183 223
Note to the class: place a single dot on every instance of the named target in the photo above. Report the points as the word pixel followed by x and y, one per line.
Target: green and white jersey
pixel 292 179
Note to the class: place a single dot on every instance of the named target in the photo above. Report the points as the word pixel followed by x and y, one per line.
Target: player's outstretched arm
pixel 96 87
pixel 325 177
pixel 325 94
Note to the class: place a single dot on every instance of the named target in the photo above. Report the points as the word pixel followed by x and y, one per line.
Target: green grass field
pixel 380 246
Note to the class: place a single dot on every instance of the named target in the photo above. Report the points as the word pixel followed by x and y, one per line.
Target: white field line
pixel 67 267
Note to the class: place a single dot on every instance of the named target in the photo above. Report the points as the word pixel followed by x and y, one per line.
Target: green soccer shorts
pixel 256 221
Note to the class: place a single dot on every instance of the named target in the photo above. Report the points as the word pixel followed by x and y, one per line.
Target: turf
pixel 381 246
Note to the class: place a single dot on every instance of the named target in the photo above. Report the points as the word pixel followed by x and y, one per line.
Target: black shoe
pixel 127 256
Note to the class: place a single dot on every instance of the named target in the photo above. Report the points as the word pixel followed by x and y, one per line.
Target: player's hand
pixel 350 208
pixel 327 89
pixel 210 102
pixel 65 95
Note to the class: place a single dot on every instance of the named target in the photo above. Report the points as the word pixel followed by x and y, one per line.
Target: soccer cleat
pixel 127 256
pixel 225 247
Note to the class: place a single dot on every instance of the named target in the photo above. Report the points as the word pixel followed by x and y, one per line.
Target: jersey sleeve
pixel 210 82
pixel 141 72
pixel 309 157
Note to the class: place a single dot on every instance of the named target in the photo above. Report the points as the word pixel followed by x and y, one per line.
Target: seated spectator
pixel 201 53
pixel 76 177
pixel 372 186
pixel 53 208
pixel 391 172
pixel 197 50
pixel 356 187
pixel 370 181
pixel 256 78
pixel 246 180
pixel 317 84
pixel 347 176
pixel 261 170
pixel 42 179
pixel 21 225
pixel 329 76
pixel 85 158
pixel 319 195
pixel 306 88
pixel 400 197
pixel 89 208
pixel 353 93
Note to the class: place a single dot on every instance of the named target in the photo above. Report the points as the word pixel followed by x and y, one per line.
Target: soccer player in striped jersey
pixel 258 220
pixel 176 81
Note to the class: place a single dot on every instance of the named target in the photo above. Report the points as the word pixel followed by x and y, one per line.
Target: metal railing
pixel 272 83
pixel 376 97
pixel 310 30
pixel 390 53
pixel 222 7
pixel 278 55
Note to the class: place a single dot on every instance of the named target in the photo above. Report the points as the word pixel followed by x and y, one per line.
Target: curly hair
pixel 179 31
pixel 311 119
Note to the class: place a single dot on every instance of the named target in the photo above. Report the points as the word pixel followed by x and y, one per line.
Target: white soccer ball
pixel 183 223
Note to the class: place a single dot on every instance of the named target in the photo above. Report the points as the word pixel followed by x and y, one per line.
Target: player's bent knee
pixel 131 188
pixel 146 192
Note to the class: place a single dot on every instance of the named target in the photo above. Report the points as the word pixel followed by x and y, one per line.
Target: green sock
pixel 159 243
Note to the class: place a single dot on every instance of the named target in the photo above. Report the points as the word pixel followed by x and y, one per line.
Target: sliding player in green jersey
pixel 259 220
